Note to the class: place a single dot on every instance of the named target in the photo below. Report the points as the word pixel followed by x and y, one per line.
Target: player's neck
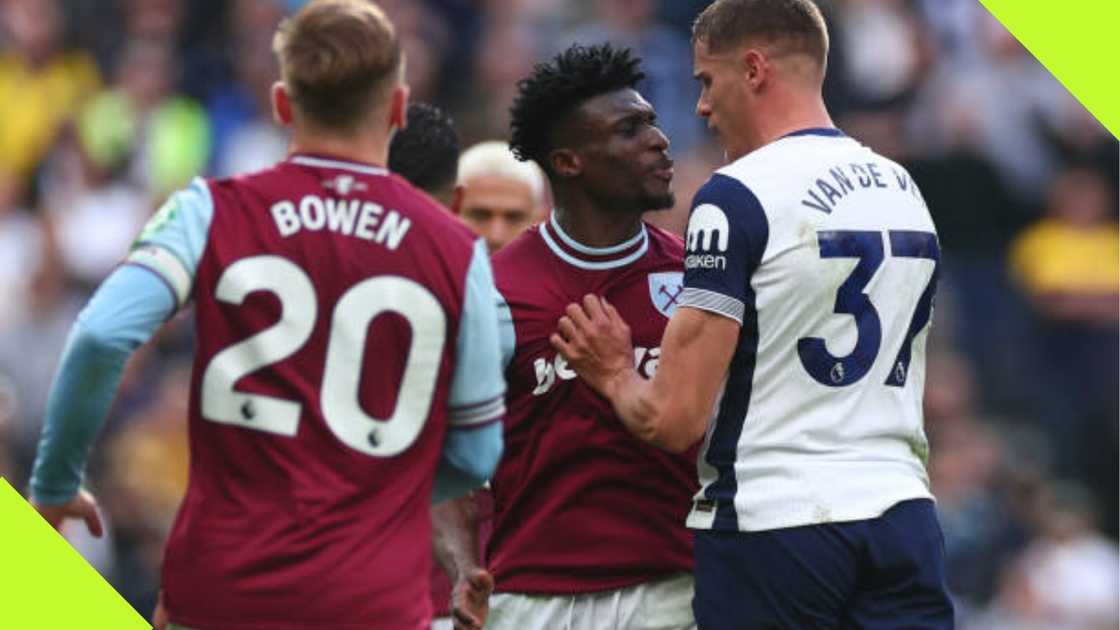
pixel 366 148
pixel 595 228
pixel 788 115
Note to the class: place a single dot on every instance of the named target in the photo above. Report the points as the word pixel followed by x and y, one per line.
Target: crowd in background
pixel 106 107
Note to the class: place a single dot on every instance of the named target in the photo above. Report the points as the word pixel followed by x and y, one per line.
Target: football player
pixel 588 521
pixel 798 350
pixel 347 371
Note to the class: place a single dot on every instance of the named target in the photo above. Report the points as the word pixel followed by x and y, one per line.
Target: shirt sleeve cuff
pixel 713 302
pixel 476 414
pixel 165 265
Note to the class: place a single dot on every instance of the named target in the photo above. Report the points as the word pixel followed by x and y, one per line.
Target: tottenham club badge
pixel 665 290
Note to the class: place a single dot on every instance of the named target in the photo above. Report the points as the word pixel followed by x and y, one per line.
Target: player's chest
pixel 645 301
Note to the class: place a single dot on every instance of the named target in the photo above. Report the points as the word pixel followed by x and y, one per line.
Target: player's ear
pixel 755 66
pixel 281 105
pixel 565 163
pixel 398 107
pixel 457 199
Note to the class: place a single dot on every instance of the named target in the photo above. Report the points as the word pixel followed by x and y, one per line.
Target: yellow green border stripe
pixel 1077 42
pixel 45 584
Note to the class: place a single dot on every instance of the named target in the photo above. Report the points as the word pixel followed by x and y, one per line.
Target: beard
pixel 660 202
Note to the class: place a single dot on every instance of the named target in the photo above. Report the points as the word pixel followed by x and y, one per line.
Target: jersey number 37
pixel 867 246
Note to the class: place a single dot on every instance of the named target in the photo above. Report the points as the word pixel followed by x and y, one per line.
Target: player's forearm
pixel 79 401
pixel 650 414
pixel 455 535
pixel 124 313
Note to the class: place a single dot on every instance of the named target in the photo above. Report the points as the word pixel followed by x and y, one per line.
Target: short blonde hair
pixel 494 157
pixel 339 59
pixel 797 26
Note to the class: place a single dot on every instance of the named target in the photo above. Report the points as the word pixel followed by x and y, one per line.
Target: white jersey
pixel 826 254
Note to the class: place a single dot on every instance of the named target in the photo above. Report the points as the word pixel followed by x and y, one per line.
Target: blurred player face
pixel 724 95
pixel 623 156
pixel 498 208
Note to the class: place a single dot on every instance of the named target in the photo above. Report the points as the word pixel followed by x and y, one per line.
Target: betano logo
pixel 707 228
pixel 547 371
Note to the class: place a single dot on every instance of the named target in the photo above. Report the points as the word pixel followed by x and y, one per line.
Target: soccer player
pixel 426 153
pixel 588 521
pixel 798 349
pixel 347 370
pixel 501 196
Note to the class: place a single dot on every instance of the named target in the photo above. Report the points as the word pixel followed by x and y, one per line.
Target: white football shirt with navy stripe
pixel 826 255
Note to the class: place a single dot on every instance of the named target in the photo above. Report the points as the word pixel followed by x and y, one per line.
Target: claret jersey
pixel 827 256
pixel 335 308
pixel 580 505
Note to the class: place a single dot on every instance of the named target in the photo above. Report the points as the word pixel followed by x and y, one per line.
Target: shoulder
pixel 525 249
pixel 423 208
pixel 726 200
pixel 665 243
pixel 519 266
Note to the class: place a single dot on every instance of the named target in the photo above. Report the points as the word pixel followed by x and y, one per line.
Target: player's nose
pixel 660 140
pixel 703 109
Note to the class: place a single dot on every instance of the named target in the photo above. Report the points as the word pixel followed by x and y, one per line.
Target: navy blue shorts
pixel 886 572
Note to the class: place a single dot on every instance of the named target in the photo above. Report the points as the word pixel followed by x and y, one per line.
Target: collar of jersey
pixel 832 132
pixel 343 165
pixel 579 255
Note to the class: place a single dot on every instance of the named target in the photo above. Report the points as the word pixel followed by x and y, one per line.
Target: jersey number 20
pixel 379 437
pixel 867 246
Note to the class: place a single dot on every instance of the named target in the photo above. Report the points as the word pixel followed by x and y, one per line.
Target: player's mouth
pixel 664 171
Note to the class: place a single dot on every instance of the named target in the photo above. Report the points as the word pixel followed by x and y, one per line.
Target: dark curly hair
pixel 426 151
pixel 547 97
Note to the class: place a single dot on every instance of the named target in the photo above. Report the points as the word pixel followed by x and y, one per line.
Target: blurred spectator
pixel 22 245
pixel 666 61
pixel 1069 261
pixel 29 351
pixel 1068 264
pixel 244 136
pixel 43 84
pixel 966 469
pixel 173 141
pixel 506 54
pixel 502 196
pixel 1069 578
pixel 886 51
pixel 146 465
pixel 1015 134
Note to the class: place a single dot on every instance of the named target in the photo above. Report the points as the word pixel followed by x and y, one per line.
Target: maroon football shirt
pixel 580 505
pixel 328 299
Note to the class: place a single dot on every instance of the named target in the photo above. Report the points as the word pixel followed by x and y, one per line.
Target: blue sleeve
pixel 727 234
pixel 124 313
pixel 469 458
pixel 477 398
pixel 477 386
pixel 507 334
pixel 172 242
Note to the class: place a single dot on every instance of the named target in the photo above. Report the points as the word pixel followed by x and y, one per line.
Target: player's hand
pixel 595 342
pixel 82 506
pixel 159 616
pixel 470 600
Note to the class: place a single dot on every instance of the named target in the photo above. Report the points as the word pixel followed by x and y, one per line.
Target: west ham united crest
pixel 665 290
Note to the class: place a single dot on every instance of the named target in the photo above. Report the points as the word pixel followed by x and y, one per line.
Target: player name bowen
pixel 352 217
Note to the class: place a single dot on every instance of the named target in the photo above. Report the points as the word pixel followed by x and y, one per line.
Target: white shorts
pixel 442 623
pixel 662 605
